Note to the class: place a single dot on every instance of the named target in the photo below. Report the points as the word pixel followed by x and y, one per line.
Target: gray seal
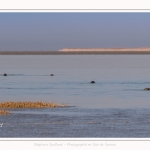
pixel 147 89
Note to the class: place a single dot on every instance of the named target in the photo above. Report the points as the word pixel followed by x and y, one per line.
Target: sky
pixel 55 31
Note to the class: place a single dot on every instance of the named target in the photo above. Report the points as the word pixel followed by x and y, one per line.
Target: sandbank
pixel 22 104
pixel 81 51
pixel 106 49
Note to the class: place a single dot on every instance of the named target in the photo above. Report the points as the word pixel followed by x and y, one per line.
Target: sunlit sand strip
pixel 38 104
pixel 105 49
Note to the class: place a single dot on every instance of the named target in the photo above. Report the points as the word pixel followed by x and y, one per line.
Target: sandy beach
pixel 78 51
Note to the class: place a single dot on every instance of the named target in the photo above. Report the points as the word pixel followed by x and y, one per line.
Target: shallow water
pixel 115 106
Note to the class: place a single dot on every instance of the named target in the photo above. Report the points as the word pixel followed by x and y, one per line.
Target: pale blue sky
pixel 55 31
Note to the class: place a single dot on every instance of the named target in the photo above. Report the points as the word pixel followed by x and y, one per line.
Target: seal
pixel 147 89
pixel 92 81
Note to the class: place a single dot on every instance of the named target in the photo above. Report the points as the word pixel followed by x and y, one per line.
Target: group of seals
pixel 50 75
pixel 146 89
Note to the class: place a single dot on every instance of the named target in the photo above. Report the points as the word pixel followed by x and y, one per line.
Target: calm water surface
pixel 115 106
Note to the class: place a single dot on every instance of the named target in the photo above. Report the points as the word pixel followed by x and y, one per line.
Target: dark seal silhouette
pixel 51 74
pixel 147 89
pixel 5 74
pixel 92 81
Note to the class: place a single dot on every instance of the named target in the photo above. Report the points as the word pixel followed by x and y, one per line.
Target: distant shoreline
pixel 81 52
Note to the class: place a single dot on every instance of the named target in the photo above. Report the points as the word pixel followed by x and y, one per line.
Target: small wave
pixel 133 89
pixel 24 75
pixel 12 74
pixel 135 83
pixel 27 87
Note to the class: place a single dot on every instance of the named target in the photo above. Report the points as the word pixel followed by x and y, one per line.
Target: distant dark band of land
pixel 71 53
